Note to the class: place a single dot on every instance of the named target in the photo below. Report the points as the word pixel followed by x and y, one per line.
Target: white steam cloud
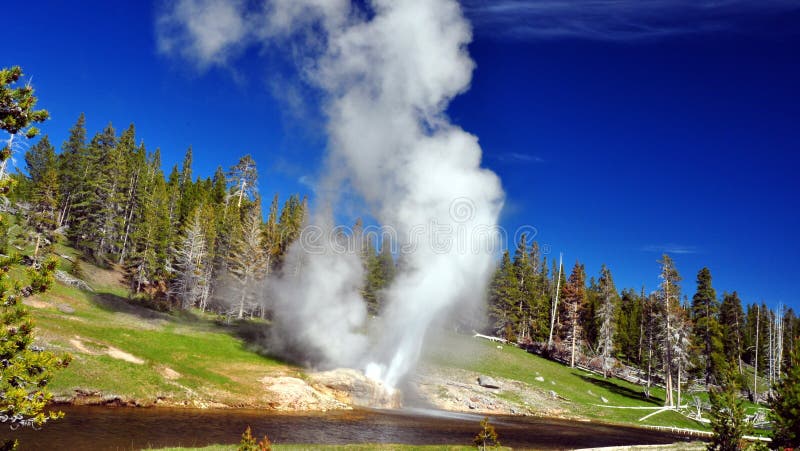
pixel 388 75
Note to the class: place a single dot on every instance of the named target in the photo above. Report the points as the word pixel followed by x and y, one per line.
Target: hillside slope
pixel 125 353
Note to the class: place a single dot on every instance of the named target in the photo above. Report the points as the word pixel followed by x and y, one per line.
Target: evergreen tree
pixel 379 273
pixel 191 264
pixel 525 277
pixel 17 114
pixel 707 333
pixel 574 302
pixel 150 235
pixel 27 369
pixel 630 327
pixel 785 405
pixel 606 317
pixel 243 179
pixel 71 164
pixel 503 292
pixel 727 415
pixel 733 325
pixel 92 208
pixel 668 311
pixel 41 164
pixel 247 259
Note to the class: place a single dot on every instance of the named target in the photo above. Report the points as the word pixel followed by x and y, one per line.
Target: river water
pixel 104 428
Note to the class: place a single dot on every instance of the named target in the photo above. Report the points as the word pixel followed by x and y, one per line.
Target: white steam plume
pixel 388 76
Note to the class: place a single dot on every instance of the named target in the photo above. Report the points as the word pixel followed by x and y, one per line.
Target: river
pixel 120 428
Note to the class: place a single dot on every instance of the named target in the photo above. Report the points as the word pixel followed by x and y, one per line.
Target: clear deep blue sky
pixel 618 134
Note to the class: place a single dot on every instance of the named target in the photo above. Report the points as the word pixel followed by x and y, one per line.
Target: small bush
pixel 486 436
pixel 248 442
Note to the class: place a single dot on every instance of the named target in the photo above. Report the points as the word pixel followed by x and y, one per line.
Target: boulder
pixel 294 394
pixel 488 382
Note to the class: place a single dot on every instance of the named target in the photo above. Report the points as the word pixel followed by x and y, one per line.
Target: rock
pixel 294 394
pixel 488 382
pixel 353 387
pixel 64 308
pixel 539 379
pixel 68 279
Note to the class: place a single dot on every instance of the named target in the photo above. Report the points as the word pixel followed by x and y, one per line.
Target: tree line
pixel 666 335
pixel 182 242
pixel 177 239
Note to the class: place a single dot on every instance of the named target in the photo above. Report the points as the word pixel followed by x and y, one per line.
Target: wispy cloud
pixel 516 157
pixel 206 32
pixel 614 20
pixel 670 248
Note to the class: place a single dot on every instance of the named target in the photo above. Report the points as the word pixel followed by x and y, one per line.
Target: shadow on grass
pixel 111 302
pixel 611 386
pixel 260 337
pixel 257 335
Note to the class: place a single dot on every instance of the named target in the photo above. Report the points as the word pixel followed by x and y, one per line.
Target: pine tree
pixel 41 164
pixel 733 324
pixel 523 271
pixel 26 369
pixel 707 333
pixel 503 292
pixel 17 114
pixel 681 348
pixel 151 230
pixel 71 162
pixel 727 415
pixel 93 209
pixel 574 296
pixel 669 305
pixel 247 259
pixel 606 317
pixel 629 327
pixel 650 323
pixel 785 405
pixel 243 179
pixel 190 259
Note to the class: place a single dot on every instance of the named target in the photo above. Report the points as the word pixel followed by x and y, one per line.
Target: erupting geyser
pixel 388 74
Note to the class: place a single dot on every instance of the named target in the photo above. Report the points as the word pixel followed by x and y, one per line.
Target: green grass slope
pixel 581 391
pixel 123 349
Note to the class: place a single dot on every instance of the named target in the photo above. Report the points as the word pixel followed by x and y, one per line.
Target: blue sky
pixel 620 131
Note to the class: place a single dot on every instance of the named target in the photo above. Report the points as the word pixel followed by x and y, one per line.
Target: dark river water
pixel 104 428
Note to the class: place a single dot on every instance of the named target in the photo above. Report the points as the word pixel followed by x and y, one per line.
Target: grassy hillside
pixel 123 349
pixel 582 392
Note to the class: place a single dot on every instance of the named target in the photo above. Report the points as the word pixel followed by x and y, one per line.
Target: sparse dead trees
pixel 669 304
pixel 191 285
pixel 247 259
pixel 682 348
